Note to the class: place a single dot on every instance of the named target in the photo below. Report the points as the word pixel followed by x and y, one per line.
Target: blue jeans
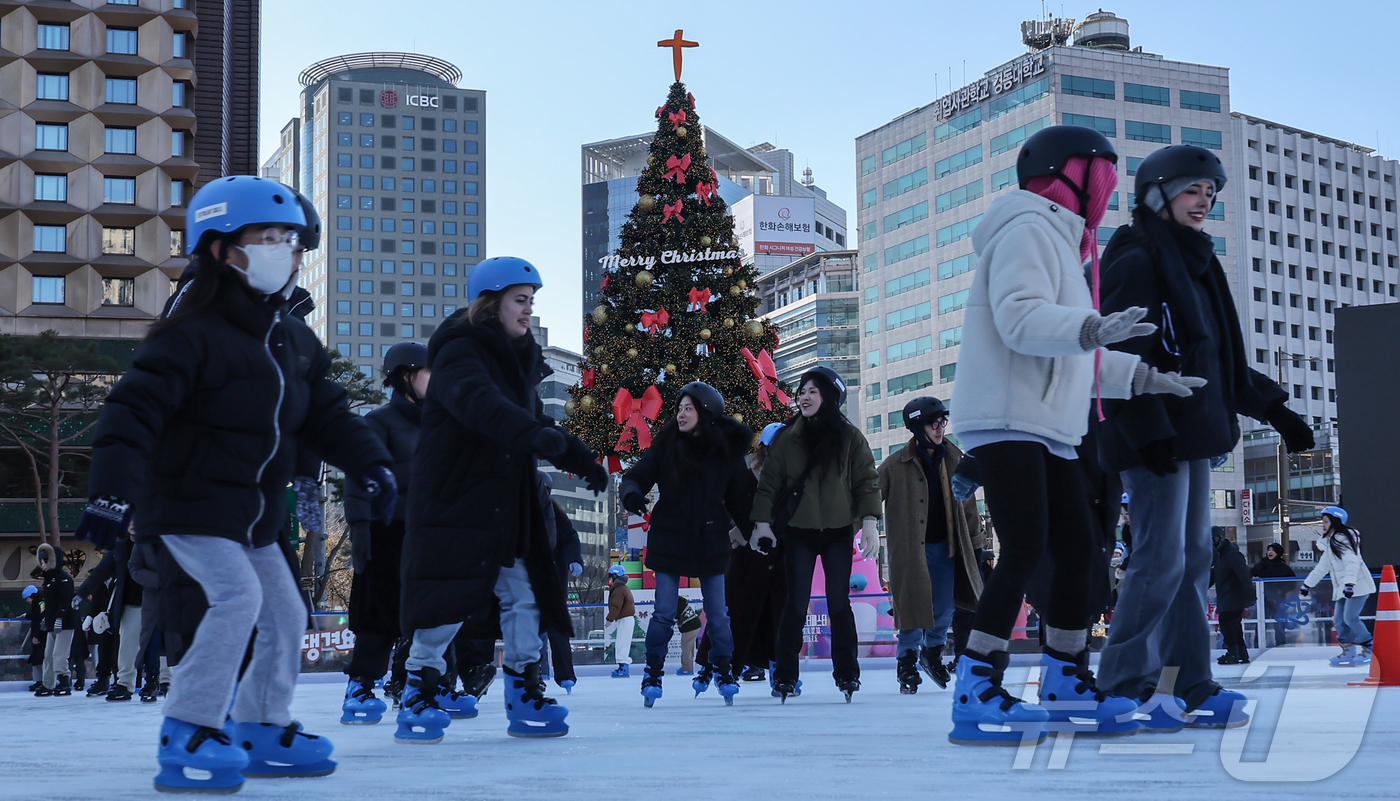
pixel 1159 635
pixel 1347 621
pixel 940 575
pixel 520 626
pixel 663 617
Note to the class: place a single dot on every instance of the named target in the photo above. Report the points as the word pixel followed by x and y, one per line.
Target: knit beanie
pixel 1102 181
pixel 1152 196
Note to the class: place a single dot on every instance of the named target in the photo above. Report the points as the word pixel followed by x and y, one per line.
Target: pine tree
pixel 677 303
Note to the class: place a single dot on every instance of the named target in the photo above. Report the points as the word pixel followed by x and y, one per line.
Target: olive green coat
pixel 839 497
pixel 904 486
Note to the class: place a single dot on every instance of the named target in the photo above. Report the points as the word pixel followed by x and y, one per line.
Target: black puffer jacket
pixel 396 424
pixel 1171 270
pixel 703 494
pixel 111 572
pixel 474 506
pixel 201 434
pixel 57 593
pixel 1234 589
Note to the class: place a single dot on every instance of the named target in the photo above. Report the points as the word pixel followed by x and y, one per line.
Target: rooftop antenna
pixel 807 176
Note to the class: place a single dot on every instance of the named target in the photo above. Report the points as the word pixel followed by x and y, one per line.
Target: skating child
pixel 621 620
pixel 1351 586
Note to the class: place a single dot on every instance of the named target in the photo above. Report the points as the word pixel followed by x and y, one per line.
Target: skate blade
pixel 1091 728
pixel 538 733
pixel 908 690
pixel 462 715
pixel 359 722
pixel 174 779
pixel 272 771
pixel 417 740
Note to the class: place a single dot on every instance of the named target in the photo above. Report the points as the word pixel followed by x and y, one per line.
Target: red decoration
pixel 605 281
pixel 654 321
pixel 698 299
pixel 676 167
pixel 691 98
pixel 632 414
pixel 775 338
pixel 763 369
pixel 676 118
pixel 660 109
pixel 669 211
pixel 588 376
pixel 614 464
pixel 704 190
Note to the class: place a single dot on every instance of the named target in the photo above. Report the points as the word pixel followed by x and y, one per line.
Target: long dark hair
pixel 1338 530
pixel 686 450
pixel 824 433
pixel 199 295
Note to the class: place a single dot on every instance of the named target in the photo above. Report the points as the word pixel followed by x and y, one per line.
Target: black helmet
pixel 922 411
pixel 1046 152
pixel 704 396
pixel 310 235
pixel 1178 161
pixel 404 356
pixel 828 375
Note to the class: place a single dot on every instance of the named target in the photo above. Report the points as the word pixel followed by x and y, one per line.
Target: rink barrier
pixel 1279 618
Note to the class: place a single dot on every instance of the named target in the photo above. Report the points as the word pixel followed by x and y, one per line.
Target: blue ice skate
pixel 530 713
pixel 1344 659
pixel 420 721
pixel 1361 655
pixel 986 714
pixel 199 748
pixel 279 752
pixel 361 707
pixel 624 671
pixel 1161 713
pixel 651 683
pixel 701 682
pixel 1223 709
pixel 568 685
pixel 1070 695
pixel 725 680
pixel 458 706
pixel 790 689
pixel 684 672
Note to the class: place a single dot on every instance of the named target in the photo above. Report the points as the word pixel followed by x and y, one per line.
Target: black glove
pixel 635 502
pixel 549 443
pixel 1303 591
pixel 104 522
pixel 1349 590
pixel 1297 435
pixel 359 546
pixel 1159 456
pixel 596 478
pixel 379 482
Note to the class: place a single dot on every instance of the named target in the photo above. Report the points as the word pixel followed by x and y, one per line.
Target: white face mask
pixel 270 267
pixel 1116 561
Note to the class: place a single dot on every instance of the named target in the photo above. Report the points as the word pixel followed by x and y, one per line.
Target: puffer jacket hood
pixel 1019 207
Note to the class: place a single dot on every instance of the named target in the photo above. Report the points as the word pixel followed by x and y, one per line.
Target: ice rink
pixel 1311 736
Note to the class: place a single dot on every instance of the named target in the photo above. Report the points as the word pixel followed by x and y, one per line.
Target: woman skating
pixel 697 464
pixel 476 554
pixel 1351 585
pixel 198 441
pixel 827 462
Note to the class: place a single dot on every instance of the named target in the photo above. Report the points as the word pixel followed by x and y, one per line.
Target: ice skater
pixel 59 620
pixel 1351 586
pixel 621 621
pixel 697 464
pixel 476 555
pixel 197 441
pixel 1034 343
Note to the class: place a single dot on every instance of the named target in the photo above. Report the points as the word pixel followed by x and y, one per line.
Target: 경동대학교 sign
pixel 1003 80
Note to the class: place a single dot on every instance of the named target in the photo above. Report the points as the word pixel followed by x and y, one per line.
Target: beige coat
pixel 904 488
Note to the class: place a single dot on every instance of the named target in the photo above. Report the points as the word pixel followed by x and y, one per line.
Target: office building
pixel 393 154
pixel 815 302
pixel 925 179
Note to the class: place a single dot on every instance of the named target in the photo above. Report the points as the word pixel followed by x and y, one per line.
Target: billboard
pixel 779 225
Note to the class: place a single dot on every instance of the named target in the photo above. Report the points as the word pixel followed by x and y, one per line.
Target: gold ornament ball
pixel 586 402
pixel 700 151
pixel 570 407
pixel 738 417
pixel 643 279
pixel 743 284
pixel 670 369
pixel 604 369
pixel 705 333
pixel 729 322
pixel 705 240
pixel 651 160
pixel 646 203
pixel 734 290
pixel 631 353
pixel 629 328
pixel 681 132
pixel 728 270
pixel 600 314
pixel 753 328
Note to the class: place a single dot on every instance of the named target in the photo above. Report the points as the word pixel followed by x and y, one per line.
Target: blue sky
pixel 808 76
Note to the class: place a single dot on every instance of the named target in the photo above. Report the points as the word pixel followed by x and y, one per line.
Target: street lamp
pixel 1295 358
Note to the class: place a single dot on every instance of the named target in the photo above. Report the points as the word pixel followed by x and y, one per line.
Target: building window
pixel 906 250
pixel 958 266
pixel 1104 125
pixel 867 199
pixel 121 90
pixel 1200 101
pixel 904 149
pixel 957 162
pixel 119 190
pixel 1012 139
pixel 179 44
pixel 53 37
pixel 908 349
pixel 51 87
pixel 119 140
pixel 118 291
pixel 872 424
pixel 177 94
pixel 177 244
pixel 893 222
pixel 47 289
pixel 177 143
pixel 1148 132
pixel 907 316
pixel 50 238
pixel 867 165
pixel 950 337
pixel 907 183
pixel 1001 179
pixel 1014 100
pixel 957 197
pixel 51 187
pixel 50 137
pixel 958 125
pixel 904 283
pixel 1089 87
pixel 119 241
pixel 1148 95
pixel 1201 137
pixel 909 383
pixel 177 192
pixel 947 372
pixel 956 232
pixel 122 41
pixel 952 302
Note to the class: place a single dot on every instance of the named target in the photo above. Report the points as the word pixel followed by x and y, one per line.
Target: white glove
pixel 761 532
pixel 100 623
pixel 1147 381
pixel 58 624
pixel 736 538
pixel 1116 327
pixel 87 623
pixel 869 539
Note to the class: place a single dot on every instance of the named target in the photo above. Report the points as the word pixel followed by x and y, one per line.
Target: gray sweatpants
pixel 245 587
pixel 56 649
pixel 520 626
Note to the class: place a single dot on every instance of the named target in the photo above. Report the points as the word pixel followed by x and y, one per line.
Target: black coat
pixel 112 574
pixel 396 424
pixel 1234 589
pixel 703 494
pixel 474 506
pixel 1171 271
pixel 1272 568
pixel 57 593
pixel 202 433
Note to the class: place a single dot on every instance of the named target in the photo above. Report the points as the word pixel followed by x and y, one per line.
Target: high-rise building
pixel 815 302
pixel 114 114
pixel 1302 214
pixel 393 155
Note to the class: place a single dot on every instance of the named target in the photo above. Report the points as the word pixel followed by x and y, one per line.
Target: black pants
pixel 374 602
pixel 962 629
pixel 1040 507
pixel 107 655
pixel 755 589
pixel 801 549
pixel 1233 631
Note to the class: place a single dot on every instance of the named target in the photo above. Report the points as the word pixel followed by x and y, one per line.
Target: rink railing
pixel 1287 620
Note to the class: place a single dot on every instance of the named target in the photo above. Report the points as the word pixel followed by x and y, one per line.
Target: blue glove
pixel 963 487
pixel 104 522
pixel 1217 461
pixel 309 512
pixel 575 569
pixel 383 489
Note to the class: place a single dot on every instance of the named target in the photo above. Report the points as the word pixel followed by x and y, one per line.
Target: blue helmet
pixel 28 591
pixel 1337 512
pixel 1126 498
pixel 618 570
pixel 224 205
pixel 770 432
pixel 499 272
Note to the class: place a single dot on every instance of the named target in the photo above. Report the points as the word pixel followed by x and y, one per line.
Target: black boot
pixel 44 691
pixel 99 687
pixel 150 693
pixel 848 687
pixel 907 671
pixel 931 662
pixel 754 674
pixel 64 687
pixel 477 680
pixel 119 692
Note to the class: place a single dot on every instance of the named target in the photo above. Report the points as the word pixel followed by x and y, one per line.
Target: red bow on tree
pixel 763 369
pixel 691 98
pixel 660 109
pixel 633 413
pixel 605 282
pixel 676 167
pixel 667 212
pixel 698 299
pixel 676 118
pixel 703 191
pixel 587 380
pixel 654 321
pixel 614 464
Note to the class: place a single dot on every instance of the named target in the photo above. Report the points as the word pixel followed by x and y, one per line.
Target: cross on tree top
pixel 676 43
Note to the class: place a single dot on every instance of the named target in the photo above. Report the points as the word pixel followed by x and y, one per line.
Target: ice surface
pixel 1312 736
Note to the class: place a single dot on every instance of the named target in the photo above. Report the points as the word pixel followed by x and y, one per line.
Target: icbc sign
pixel 423 101
pixel 388 98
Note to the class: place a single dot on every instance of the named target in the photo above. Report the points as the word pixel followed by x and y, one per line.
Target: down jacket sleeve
pixel 339 435
pixel 738 496
pixel 865 483
pixel 358 506
pixel 1131 281
pixel 1022 292
pixel 99 575
pixel 469 393
pixel 570 549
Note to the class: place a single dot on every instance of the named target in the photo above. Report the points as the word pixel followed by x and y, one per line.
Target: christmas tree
pixel 677 305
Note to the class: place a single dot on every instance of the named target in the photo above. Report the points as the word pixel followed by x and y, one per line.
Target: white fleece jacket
pixel 1349 568
pixel 1021 367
